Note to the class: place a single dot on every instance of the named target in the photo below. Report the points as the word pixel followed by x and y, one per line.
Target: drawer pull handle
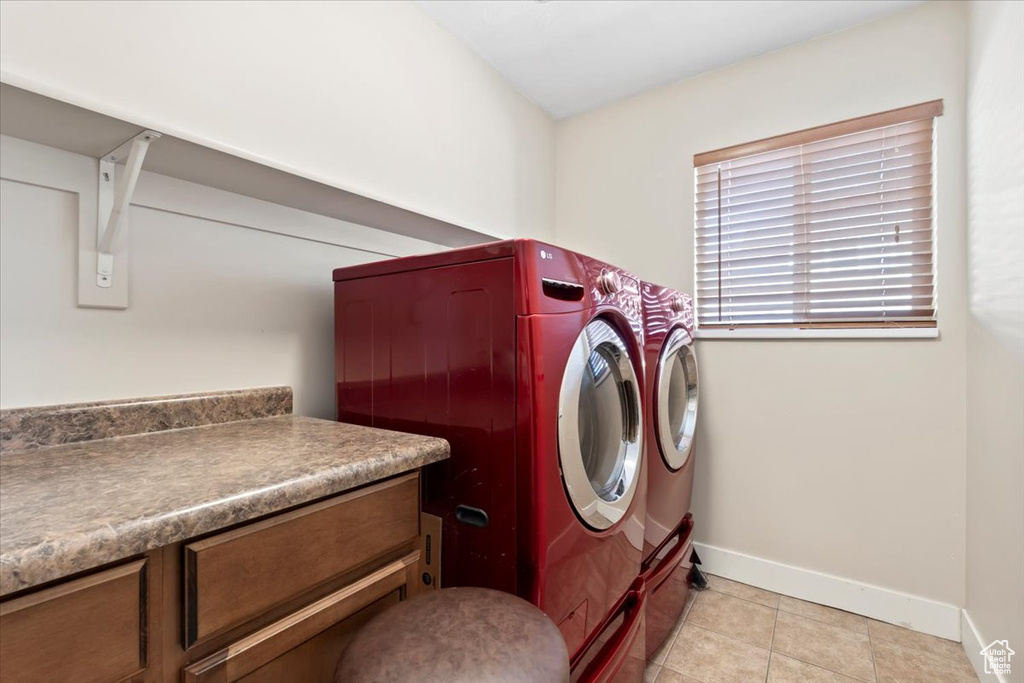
pixel 558 289
pixel 471 516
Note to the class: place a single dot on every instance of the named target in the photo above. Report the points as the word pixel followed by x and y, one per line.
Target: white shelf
pixel 47 121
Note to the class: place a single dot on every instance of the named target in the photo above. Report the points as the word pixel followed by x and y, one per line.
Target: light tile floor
pixel 734 633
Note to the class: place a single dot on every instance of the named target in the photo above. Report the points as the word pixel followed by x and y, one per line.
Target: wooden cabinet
pixel 314 661
pixel 233 577
pixel 90 630
pixel 276 599
pixel 307 643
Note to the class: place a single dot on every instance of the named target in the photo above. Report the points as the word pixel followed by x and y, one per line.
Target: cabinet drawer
pixel 239 575
pixel 90 630
pixel 307 644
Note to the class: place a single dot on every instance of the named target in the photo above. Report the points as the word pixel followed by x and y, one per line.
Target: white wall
pixel 995 339
pixel 372 97
pixel 840 457
pixel 222 296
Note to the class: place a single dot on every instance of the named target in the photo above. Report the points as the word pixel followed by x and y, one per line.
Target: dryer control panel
pixel 665 308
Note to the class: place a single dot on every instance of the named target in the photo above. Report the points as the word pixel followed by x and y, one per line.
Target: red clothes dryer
pixel 671 399
pixel 528 359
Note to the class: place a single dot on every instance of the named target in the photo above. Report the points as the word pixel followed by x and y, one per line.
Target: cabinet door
pixel 304 647
pixel 89 630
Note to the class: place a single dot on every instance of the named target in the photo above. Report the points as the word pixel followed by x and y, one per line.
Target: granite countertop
pixel 69 508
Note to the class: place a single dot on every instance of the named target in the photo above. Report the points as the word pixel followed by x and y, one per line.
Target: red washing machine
pixel 528 359
pixel 671 399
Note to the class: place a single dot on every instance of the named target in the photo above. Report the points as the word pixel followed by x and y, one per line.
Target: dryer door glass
pixel 599 426
pixel 676 393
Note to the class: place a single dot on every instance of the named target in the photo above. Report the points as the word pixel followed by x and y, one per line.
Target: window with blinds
pixel 827 227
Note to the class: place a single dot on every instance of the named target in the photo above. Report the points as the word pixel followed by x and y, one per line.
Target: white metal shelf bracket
pixel 114 198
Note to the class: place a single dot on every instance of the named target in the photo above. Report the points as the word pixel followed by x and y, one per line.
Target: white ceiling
pixel 570 56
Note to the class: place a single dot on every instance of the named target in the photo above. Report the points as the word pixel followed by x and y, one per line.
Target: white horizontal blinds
pixel 827 227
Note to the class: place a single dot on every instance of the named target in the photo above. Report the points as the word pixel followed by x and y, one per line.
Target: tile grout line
pixel 682 622
pixel 941 659
pixel 871 644
pixel 935 657
pixel 687 608
pixel 699 680
pixel 771 646
pixel 778 609
pixel 752 602
pixel 739 640
pixel 818 665
pixel 827 623
pixel 724 635
pixel 870 635
pixel 778 602
pixel 712 630
pixel 904 646
pixel 824 623
pixel 679 626
pixel 825 668
pixel 777 595
pixel 674 636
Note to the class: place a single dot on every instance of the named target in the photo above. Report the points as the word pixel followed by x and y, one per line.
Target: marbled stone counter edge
pixel 250 469
pixel 43 426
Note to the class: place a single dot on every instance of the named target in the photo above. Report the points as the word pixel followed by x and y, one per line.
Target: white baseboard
pixel 973 641
pixel 910 611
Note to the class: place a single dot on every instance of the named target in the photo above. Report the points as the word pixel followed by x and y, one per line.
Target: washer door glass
pixel 676 393
pixel 599 426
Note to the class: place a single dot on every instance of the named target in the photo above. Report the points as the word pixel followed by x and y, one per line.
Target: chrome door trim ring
pixel 675 456
pixel 597 512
